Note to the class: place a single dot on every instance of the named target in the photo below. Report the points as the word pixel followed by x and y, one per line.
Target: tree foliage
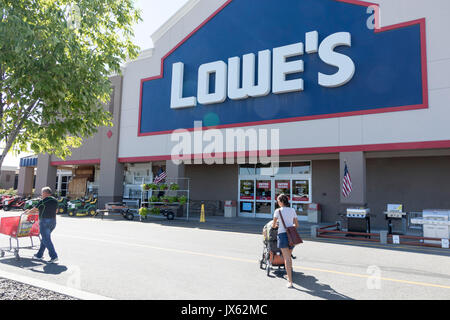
pixel 56 57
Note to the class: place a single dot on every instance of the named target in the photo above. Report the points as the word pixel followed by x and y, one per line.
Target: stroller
pixel 271 256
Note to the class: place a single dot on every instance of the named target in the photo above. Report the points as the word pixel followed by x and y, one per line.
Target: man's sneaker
pixel 53 260
pixel 36 257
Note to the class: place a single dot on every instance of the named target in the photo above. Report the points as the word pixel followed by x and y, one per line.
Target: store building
pixel 9 178
pixel 337 81
pixel 26 178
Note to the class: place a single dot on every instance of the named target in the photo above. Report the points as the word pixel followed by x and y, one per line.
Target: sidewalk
pixel 260 222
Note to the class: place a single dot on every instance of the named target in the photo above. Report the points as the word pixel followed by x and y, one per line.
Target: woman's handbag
pixel 292 234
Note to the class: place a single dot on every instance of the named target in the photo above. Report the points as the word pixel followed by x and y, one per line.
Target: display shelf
pixel 147 194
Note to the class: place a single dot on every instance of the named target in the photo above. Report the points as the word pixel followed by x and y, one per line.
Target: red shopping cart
pixel 23 226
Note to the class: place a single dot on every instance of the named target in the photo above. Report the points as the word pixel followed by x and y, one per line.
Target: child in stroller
pixel 271 256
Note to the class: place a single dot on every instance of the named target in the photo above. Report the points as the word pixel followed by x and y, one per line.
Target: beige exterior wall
pixel 7 179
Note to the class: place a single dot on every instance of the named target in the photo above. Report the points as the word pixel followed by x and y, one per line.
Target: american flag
pixel 346 183
pixel 160 176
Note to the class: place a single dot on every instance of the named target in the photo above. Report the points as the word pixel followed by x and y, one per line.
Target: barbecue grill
pixel 358 220
pixel 396 219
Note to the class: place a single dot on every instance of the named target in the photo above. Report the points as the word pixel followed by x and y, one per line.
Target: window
pixel 247 169
pixel 301 167
pixel 247 190
pixel 263 189
pixel 247 207
pixel 264 170
pixel 300 191
pixel 283 168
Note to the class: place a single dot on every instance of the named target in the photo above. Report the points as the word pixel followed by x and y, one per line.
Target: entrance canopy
pixel 29 161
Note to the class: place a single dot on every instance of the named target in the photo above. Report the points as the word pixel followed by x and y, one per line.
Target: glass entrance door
pixel 264 198
pixel 260 185
pixel 281 186
pixel 247 197
pixel 258 197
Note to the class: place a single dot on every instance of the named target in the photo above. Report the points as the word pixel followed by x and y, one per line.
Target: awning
pixel 29 161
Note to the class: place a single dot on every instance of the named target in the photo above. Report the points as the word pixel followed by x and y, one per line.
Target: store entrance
pixel 267 192
pixel 257 198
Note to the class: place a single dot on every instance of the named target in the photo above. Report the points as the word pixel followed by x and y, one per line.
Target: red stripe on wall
pixel 444 144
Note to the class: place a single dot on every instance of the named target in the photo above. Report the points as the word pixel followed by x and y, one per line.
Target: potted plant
pixel 182 200
pixel 165 199
pixel 153 199
pixel 174 186
pixel 163 187
pixel 173 199
pixel 155 211
pixel 152 186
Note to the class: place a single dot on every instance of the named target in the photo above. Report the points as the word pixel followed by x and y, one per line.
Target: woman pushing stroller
pixel 289 216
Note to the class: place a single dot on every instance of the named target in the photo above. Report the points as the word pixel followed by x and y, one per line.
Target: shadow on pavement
pixel 33 265
pixel 52 268
pixel 310 285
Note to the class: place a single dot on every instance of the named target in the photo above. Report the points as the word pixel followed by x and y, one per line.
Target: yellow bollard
pixel 202 215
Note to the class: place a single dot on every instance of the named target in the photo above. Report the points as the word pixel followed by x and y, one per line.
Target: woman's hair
pixel 283 199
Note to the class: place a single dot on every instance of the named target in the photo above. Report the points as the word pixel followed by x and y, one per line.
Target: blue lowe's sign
pixel 262 61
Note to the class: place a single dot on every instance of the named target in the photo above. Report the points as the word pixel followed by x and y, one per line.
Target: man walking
pixel 47 222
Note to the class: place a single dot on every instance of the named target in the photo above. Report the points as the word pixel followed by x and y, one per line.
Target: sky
pixel 154 14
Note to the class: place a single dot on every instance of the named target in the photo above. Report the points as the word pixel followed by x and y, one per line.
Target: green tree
pixel 56 57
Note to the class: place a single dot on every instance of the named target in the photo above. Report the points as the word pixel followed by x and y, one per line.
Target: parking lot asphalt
pixel 219 259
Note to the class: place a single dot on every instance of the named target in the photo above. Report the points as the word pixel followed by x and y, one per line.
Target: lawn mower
pixel 3 198
pixel 82 208
pixel 31 203
pixel 15 202
pixel 62 205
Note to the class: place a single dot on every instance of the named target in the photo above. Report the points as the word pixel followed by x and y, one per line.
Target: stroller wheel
pixel 261 264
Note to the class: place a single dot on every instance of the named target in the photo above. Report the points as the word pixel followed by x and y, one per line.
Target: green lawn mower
pixel 62 205
pixel 82 208
pixel 31 203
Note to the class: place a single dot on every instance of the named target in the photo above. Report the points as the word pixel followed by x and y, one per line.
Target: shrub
pixel 10 192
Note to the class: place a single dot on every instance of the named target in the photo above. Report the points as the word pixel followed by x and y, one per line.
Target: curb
pixel 82 295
